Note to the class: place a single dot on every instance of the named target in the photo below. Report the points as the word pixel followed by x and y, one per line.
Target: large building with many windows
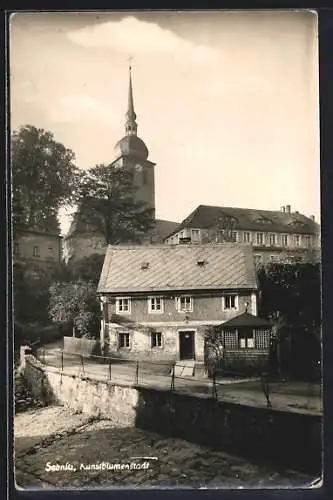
pixel 281 235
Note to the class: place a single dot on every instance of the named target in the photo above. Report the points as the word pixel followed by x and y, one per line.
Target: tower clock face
pixel 138 167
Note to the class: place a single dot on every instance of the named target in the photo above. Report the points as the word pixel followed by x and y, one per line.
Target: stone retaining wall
pixel 292 439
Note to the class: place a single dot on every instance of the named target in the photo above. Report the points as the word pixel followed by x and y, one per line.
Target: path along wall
pixel 292 439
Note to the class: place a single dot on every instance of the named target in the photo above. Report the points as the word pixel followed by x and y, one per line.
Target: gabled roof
pixel 163 228
pixel 246 319
pixel 144 268
pixel 206 216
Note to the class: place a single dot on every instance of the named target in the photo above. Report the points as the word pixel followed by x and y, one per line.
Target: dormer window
pixel 296 223
pixel 263 220
pixel 145 265
pixel 201 263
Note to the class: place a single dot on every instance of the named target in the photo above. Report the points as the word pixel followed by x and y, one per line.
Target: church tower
pixel 132 153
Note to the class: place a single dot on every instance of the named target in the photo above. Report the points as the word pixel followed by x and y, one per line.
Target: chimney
pixel 283 209
pixel 312 217
pixel 288 209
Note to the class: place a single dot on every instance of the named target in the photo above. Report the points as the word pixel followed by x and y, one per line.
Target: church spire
pixel 131 125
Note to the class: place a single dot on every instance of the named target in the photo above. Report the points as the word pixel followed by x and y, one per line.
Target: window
pixel 156 339
pixel 229 302
pixel 246 237
pixel 123 305
pixel 195 235
pixel 260 238
pixel 297 240
pixel 36 252
pixel 155 305
pixel 308 241
pixel 284 240
pixel 272 239
pixel 16 248
pixel 184 304
pixel 219 236
pixel 233 235
pixel 123 340
pixel 258 259
pixel 246 339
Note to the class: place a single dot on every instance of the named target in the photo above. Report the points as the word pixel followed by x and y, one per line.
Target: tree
pixel 76 305
pixel 225 226
pixel 107 203
pixel 31 293
pixel 213 349
pixel 290 293
pixel 44 178
pixel 86 269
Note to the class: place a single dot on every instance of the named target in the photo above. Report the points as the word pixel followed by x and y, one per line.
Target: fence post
pixel 214 390
pixel 172 386
pixel 137 373
pixel 62 361
pixel 265 388
pixel 110 369
pixel 82 363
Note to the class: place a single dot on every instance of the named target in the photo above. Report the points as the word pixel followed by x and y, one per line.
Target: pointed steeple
pixel 131 125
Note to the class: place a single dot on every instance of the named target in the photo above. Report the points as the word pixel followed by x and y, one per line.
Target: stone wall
pixel 292 439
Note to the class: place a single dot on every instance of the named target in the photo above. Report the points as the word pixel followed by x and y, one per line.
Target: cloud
pixel 135 37
pixel 72 108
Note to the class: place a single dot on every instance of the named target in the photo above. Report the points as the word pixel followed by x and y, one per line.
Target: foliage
pixel 290 293
pixel 86 269
pixel 75 304
pixel 213 349
pixel 225 226
pixel 31 293
pixel 107 201
pixel 44 178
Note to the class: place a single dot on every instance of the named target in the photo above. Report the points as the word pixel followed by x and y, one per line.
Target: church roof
pixel 131 146
pixel 206 216
pixel 159 268
pixel 79 227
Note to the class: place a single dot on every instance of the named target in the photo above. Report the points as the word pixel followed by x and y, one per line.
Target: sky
pixel 226 102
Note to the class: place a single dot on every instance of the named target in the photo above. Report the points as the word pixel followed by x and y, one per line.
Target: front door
pixel 186 345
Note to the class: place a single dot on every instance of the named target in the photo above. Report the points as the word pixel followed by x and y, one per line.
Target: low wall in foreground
pixel 292 439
